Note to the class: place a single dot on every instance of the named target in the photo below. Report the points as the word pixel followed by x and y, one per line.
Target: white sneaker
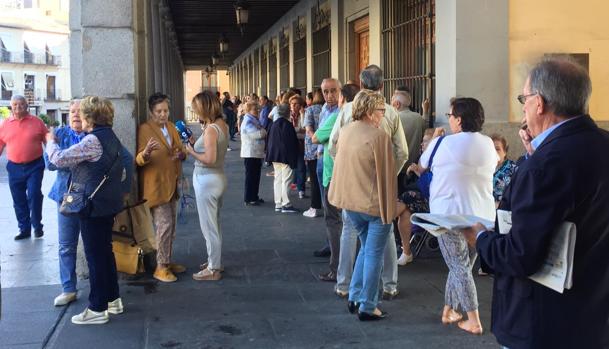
pixel 311 213
pixel 90 317
pixel 116 306
pixel 405 259
pixel 64 298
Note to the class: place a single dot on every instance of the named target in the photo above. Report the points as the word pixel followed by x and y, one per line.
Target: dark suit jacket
pixel 283 144
pixel 566 179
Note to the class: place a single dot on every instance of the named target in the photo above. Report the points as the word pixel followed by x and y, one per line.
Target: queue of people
pixel 359 152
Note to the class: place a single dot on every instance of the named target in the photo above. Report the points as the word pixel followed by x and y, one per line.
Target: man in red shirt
pixel 23 135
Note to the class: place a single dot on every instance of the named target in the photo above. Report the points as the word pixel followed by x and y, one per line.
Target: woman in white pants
pixel 209 180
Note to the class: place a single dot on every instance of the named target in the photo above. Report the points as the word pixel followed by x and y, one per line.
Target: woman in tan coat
pixel 159 158
pixel 364 185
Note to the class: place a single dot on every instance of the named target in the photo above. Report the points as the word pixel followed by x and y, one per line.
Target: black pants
pixel 334 228
pixel 96 235
pixel 315 193
pixel 253 167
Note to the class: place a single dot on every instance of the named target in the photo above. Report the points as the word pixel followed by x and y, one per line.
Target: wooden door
pixel 362 40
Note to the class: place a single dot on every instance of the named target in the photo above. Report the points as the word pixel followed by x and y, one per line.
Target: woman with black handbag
pixel 95 195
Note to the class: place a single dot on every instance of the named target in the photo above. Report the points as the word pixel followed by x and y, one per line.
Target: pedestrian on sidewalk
pixel 68 226
pixel 253 136
pixel 96 156
pixel 297 111
pixel 23 135
pixel 208 179
pixel 160 153
pixel 283 153
pixel 364 185
pixel 311 124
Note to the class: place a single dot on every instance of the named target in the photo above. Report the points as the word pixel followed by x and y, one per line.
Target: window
pixel 284 64
pixel 408 39
pixel 5 55
pixel 51 93
pixel 300 55
pixel 28 88
pixel 273 70
pixel 28 56
pixel 8 84
pixel 263 73
pixel 256 71
pixel 321 43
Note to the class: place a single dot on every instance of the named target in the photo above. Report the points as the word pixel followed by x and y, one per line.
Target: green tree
pixel 4 113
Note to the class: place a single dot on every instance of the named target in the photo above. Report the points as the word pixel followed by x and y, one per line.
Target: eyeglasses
pixel 382 110
pixel 523 98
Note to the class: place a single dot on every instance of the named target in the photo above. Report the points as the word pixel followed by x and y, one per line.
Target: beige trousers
pixel 281 184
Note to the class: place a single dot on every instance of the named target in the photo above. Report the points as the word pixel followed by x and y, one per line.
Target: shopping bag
pixel 129 257
pixel 134 225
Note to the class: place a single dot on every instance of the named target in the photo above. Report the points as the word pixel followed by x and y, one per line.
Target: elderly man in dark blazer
pixel 564 178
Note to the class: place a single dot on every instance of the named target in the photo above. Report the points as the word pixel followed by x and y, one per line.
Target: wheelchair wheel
pixel 432 243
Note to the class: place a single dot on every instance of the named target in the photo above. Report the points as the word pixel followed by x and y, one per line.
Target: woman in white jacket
pixel 252 152
pixel 463 168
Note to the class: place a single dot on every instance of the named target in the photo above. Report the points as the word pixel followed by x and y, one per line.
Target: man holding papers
pixel 564 179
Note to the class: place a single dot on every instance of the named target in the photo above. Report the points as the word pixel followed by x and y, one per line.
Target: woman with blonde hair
pixel 209 180
pixel 97 172
pixel 159 157
pixel 365 186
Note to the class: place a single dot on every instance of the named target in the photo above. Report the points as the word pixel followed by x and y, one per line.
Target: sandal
pixel 476 329
pixel 451 318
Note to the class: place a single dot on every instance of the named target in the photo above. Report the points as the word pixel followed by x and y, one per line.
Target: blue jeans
pixel 69 228
pixel 348 247
pixel 373 234
pixel 300 174
pixel 97 240
pixel 25 181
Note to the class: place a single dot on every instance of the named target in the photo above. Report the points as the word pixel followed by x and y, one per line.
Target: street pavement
pixel 269 296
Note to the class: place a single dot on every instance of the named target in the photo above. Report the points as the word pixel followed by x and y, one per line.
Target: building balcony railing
pixel 29 58
pixel 36 96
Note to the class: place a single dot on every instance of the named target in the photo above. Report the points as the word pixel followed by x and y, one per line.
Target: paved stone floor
pixel 269 297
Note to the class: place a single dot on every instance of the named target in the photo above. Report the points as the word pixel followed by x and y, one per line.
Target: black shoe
pixel 352 306
pixel 324 252
pixel 363 316
pixel 329 276
pixel 252 203
pixel 260 201
pixel 289 209
pixel 38 233
pixel 23 235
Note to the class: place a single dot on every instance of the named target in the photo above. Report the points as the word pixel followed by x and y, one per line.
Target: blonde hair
pixel 298 100
pixel 365 102
pixel 251 105
pixel 97 110
pixel 207 106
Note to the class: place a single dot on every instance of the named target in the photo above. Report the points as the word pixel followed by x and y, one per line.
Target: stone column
pixel 472 56
pixel 309 39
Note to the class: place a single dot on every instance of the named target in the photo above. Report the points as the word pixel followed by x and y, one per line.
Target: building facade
pixel 438 48
pixel 34 62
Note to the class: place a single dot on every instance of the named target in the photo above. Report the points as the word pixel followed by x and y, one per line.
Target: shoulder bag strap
pixel 433 153
pixel 105 176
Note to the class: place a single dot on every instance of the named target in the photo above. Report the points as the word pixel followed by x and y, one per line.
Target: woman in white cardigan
pixel 463 168
pixel 252 152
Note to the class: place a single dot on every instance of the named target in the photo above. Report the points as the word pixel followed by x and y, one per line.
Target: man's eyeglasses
pixel 332 90
pixel 523 98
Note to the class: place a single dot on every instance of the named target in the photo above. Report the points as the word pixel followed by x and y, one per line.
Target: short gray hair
pixel 403 97
pixel 283 110
pixel 563 84
pixel 16 98
pixel 371 77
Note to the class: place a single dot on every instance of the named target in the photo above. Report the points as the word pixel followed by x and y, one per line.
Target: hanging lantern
pixel 242 12
pixel 215 59
pixel 223 44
